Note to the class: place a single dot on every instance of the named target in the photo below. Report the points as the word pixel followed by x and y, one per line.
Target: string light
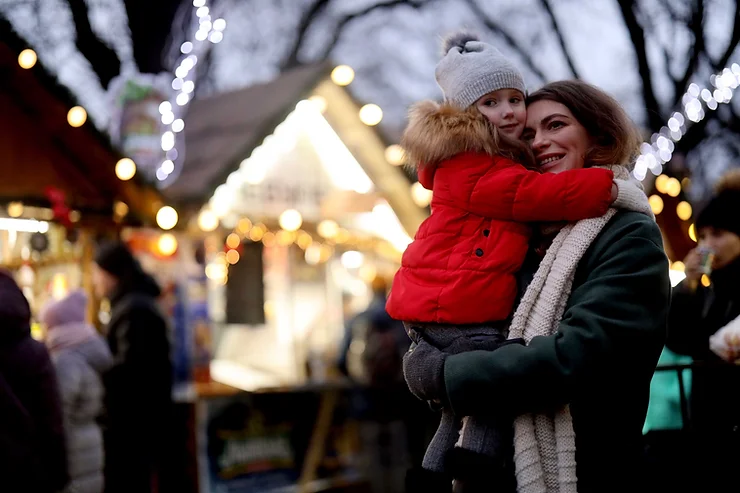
pixel 684 210
pixel 167 217
pixel 371 114
pixel 656 204
pixel 395 154
pixel 184 81
pixel 342 75
pixel 662 143
pixel 207 220
pixel 27 58
pixel 692 232
pixel 76 116
pixel 125 169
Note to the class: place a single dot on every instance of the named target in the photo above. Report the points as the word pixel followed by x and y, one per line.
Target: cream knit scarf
pixel 544 444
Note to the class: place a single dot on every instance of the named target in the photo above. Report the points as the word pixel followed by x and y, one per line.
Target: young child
pixel 456 287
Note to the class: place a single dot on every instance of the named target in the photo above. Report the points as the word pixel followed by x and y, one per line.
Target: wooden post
pixel 86 239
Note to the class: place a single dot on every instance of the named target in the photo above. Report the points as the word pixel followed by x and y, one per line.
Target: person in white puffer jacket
pixel 80 356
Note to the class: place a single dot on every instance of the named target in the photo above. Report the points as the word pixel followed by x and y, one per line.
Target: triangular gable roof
pixel 220 131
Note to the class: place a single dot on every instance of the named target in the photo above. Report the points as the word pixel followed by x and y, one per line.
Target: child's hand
pixel 615 192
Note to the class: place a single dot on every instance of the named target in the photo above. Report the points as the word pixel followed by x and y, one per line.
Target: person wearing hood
pixel 80 356
pixel 139 384
pixel 32 449
pixel 698 312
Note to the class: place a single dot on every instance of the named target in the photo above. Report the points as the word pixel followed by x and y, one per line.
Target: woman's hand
pixel 423 369
pixel 693 268
pixel 615 192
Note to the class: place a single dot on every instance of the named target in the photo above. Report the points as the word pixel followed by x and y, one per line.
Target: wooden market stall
pixel 301 201
pixel 58 186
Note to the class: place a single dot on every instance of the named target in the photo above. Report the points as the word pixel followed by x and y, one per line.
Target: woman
pixel 32 452
pixel 697 312
pixel 139 385
pixel 80 357
pixel 601 295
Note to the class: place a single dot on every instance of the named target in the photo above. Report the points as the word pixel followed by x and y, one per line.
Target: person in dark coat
pixel 139 385
pixel 699 311
pixel 32 448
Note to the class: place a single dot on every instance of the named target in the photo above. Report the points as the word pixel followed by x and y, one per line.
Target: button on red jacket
pixel 461 266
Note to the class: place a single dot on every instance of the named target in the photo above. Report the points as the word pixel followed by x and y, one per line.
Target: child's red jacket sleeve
pixel 507 191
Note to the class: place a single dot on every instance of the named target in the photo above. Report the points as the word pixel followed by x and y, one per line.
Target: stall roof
pixel 40 149
pixel 220 131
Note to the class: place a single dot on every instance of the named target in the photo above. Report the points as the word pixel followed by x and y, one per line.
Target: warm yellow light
pixel 421 196
pixel 327 228
pixel 75 216
pixel 125 169
pixel 244 225
pixel 233 241
pixel 395 154
pixel 656 204
pixel 342 75
pixel 120 209
pixel 319 102
pixel 167 217
pixel 290 220
pixel 27 58
pixel 167 244
pixel 207 220
pixel 59 286
pixel 15 209
pixel 216 271
pixel 661 183
pixel 285 238
pixel 232 257
pixel 325 253
pixel 368 272
pixel 342 236
pixel 678 266
pixel 77 116
pixel 692 232
pixel 303 240
pixel 371 114
pixel 256 234
pixel 684 211
pixel 705 281
pixel 268 239
pixel 673 187
pixel 313 254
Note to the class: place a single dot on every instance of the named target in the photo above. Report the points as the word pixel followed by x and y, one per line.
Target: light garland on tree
pixel 657 152
pixel 172 110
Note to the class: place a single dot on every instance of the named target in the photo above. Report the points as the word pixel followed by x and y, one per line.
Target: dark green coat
pixel 600 361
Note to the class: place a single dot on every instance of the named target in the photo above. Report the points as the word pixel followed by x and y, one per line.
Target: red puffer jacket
pixel 461 266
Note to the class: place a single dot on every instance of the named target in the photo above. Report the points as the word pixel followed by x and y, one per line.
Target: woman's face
pixel 724 244
pixel 558 140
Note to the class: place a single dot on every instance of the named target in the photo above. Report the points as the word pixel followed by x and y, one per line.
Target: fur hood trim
pixel 437 132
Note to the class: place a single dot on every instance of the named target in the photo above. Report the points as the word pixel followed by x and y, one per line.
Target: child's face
pixel 505 109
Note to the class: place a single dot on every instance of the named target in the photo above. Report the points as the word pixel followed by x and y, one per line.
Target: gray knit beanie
pixel 471 68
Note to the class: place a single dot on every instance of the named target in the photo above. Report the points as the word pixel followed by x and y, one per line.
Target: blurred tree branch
pixel 696 25
pixel 561 40
pixel 513 43
pixel 311 14
pixel 103 59
pixel 307 18
pixel 337 33
pixel 734 40
pixel 637 37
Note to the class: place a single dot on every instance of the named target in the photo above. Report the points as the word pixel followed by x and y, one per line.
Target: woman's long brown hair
pixel 614 137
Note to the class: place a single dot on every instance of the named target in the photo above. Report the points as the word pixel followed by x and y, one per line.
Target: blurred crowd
pixel 81 412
